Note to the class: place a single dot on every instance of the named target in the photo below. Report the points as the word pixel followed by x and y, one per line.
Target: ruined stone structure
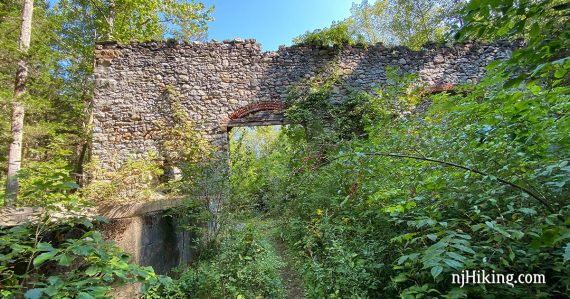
pixel 222 85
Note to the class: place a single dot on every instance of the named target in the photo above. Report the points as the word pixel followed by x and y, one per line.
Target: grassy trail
pixel 289 275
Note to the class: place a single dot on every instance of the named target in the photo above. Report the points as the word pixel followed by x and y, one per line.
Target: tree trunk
pixel 83 151
pixel 15 155
pixel 111 20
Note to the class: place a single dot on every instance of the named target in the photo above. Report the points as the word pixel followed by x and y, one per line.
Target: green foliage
pixel 51 115
pixel 190 216
pixel 49 260
pixel 410 23
pixel 182 142
pixel 372 224
pixel 544 27
pixel 337 35
pixel 60 60
pixel 407 23
pixel 245 267
pixel 48 183
pixel 256 169
pixel 323 123
pixel 383 195
pixel 123 21
pixel 45 184
pixel 135 180
pixel 443 220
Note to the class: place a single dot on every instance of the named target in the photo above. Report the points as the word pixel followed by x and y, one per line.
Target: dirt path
pixel 290 277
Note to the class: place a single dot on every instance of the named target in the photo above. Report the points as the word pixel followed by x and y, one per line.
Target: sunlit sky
pixel 273 22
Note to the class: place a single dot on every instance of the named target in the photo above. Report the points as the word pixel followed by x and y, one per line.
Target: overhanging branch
pixel 451 164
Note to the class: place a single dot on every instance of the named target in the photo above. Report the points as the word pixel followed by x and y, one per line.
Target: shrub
pixel 245 266
pixel 50 260
pixel 136 180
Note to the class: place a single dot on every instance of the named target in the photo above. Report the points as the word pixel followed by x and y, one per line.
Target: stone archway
pixel 257 114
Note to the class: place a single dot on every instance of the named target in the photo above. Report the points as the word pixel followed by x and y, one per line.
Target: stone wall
pixel 234 83
pixel 148 236
pixel 151 240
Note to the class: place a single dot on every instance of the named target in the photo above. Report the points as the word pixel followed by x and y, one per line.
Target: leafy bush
pixel 487 215
pixel 338 35
pixel 244 266
pixel 135 180
pixel 46 183
pixel 191 216
pixel 59 255
pixel 49 260
pixel 439 184
pixel 182 142
pixel 255 186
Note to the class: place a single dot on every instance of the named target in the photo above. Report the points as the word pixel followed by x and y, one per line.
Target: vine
pixel 182 142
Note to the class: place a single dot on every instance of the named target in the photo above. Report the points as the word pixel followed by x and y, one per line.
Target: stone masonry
pixel 233 83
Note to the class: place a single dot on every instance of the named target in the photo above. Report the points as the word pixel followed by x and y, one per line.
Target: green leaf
pixel 567 252
pixel 83 295
pixel 400 278
pixel 493 65
pixel 55 280
pixel 456 256
pixel 435 271
pixel 453 263
pixel 535 89
pixel 560 73
pixel 71 185
pixel 463 248
pixel 83 250
pixel 65 259
pixel 40 259
pixel 92 271
pixel 402 259
pixel 34 293
pixel 99 291
pixel 45 247
pixel 513 82
pixel 527 211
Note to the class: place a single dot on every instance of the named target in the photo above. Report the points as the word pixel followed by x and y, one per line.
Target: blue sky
pixel 273 22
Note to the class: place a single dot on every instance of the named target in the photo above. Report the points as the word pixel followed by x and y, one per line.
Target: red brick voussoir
pixel 261 106
pixel 252 108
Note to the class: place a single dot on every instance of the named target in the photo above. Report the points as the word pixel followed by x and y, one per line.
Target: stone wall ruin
pixel 234 83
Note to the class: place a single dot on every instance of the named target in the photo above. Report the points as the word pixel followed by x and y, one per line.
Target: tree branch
pixel 451 164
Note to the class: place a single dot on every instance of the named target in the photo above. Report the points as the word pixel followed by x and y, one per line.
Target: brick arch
pixel 234 119
pixel 255 107
pixel 437 88
pixel 252 115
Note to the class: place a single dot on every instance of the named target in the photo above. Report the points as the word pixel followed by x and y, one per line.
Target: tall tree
pixel 18 111
pixel 58 91
pixel 410 23
pixel 370 21
pixel 416 22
